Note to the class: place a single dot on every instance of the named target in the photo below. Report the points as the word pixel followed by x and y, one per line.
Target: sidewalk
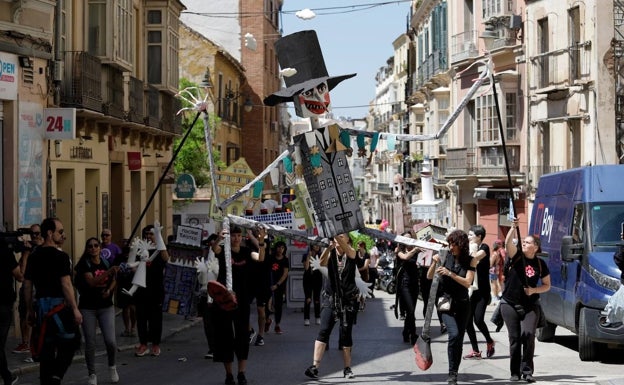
pixel 172 324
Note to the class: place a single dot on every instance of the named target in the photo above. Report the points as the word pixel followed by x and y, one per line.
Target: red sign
pixel 134 160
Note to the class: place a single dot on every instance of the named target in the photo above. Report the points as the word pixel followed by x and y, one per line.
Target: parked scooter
pixel 385 277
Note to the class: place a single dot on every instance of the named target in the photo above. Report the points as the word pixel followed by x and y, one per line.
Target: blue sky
pixel 357 39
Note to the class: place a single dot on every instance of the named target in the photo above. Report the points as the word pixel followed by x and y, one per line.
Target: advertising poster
pixel 30 164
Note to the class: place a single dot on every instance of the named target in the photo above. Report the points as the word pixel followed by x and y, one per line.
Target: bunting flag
pixel 223 205
pixel 391 139
pixel 374 233
pixel 512 215
pixel 257 189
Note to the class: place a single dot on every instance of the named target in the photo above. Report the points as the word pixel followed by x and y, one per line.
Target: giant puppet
pixel 320 155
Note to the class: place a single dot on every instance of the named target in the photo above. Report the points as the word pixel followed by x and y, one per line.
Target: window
pixel 111 31
pixel 510 116
pixel 487 122
pixel 574 34
pixel 162 47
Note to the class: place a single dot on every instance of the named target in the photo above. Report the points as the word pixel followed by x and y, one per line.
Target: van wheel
pixel 588 349
pixel 547 333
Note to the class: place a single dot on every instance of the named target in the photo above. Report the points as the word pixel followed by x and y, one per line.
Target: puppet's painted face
pixel 313 102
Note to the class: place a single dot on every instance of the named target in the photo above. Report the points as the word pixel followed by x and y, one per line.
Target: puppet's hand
pixel 200 265
pixel 134 249
pixel 158 239
pixel 316 265
pixel 363 287
pixel 212 265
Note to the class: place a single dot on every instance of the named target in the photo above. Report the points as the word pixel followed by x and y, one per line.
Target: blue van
pixel 578 215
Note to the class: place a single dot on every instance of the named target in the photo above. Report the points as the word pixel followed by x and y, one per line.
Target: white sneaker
pixel 318 321
pixel 114 376
pixel 92 379
pixel 306 322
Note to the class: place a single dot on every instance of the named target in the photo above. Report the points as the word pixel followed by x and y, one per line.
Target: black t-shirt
pixel 309 272
pixel 277 267
pixel 459 266
pixel 347 267
pixel 518 274
pixel 92 297
pixel 243 267
pixel 7 283
pixel 483 270
pixel 154 278
pixel 45 268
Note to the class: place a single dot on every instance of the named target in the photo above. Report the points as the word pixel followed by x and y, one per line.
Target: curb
pixel 32 367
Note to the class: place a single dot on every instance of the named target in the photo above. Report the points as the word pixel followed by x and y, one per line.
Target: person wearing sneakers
pixel 312 284
pixel 278 264
pixel 339 303
pixel 149 299
pixel 481 297
pixel 95 282
pixel 523 272
pixel 232 325
pixel 456 275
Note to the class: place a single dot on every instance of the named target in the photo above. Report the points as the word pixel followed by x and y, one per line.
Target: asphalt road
pixel 379 356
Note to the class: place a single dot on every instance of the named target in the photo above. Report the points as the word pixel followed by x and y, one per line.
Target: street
pixel 379 356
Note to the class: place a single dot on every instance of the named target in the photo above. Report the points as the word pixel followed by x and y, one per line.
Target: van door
pixel 571 266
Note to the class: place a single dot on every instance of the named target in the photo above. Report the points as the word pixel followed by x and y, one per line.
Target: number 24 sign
pixel 59 123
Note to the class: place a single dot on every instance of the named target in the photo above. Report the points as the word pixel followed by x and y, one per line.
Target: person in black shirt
pixel 9 270
pixel 312 284
pixel 49 277
pixel 407 287
pixel 519 305
pixel 456 275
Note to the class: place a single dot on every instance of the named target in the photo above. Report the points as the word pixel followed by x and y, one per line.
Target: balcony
pixel 82 81
pixel 431 66
pixel 135 113
pixel 562 67
pixel 152 109
pixel 464 46
pixel 481 161
pixel 171 122
pixel 113 98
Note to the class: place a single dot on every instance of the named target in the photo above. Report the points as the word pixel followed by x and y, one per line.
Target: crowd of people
pixel 471 277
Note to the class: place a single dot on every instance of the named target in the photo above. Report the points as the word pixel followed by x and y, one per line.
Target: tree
pixel 193 156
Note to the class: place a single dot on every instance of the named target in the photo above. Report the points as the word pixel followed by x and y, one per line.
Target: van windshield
pixel 606 223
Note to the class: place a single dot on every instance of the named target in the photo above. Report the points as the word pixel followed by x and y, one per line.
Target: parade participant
pixel 49 292
pixel 481 297
pixel 95 282
pixel 9 273
pixel 372 268
pixel 339 303
pixel 279 265
pixel 457 275
pixel 207 270
pixel 123 301
pixel 498 254
pixel 312 284
pixel 110 250
pixel 407 287
pixel 260 289
pixel 232 326
pixel 363 262
pixel 520 303
pixel 149 297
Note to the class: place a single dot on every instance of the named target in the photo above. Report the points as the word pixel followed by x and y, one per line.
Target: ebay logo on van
pixel 545 223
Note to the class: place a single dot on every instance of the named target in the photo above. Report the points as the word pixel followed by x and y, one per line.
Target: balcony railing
pixel 82 81
pixel 170 121
pixel 135 113
pixel 152 109
pixel 431 66
pixel 464 46
pixel 562 67
pixel 473 161
pixel 113 99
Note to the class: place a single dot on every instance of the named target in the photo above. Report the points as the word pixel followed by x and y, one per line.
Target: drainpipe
pixel 58 60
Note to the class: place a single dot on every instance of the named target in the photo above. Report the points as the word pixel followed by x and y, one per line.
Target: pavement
pixel 172 324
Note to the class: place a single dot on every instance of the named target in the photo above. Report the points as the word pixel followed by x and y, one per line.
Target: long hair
pixel 85 253
pixel 460 238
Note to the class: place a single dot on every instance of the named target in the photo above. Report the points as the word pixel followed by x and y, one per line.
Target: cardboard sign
pixel 188 235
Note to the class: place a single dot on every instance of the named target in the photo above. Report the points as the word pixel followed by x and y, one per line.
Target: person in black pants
pixel 312 284
pixel 407 288
pixel 456 275
pixel 481 297
pixel 9 271
pixel 519 306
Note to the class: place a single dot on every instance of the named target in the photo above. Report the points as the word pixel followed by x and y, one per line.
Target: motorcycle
pixel 385 276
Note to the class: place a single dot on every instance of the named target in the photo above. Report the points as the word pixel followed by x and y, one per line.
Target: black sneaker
pixel 242 380
pixel 452 379
pixel 312 372
pixel 252 334
pixel 348 373
pixel 259 341
pixel 208 355
pixel 514 377
pixel 229 379
pixel 528 378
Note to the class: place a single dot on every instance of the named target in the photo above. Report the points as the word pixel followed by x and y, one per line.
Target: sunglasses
pixel 93 245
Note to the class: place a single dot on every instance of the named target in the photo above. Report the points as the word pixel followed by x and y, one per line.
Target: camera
pixel 15 240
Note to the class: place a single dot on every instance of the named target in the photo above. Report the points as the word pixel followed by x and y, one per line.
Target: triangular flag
pixel 257 189
pixel 391 142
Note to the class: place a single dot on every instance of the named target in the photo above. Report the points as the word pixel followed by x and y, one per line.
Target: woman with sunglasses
pixel 95 281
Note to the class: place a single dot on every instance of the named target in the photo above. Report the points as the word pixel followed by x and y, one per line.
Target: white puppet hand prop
pixel 362 286
pixel 212 265
pixel 316 265
pixel 160 244
pixel 202 273
pixel 134 249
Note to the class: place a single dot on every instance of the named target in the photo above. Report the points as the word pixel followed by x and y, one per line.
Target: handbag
pixel 444 303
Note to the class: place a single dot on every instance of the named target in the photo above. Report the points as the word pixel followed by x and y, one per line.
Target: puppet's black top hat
pixel 301 51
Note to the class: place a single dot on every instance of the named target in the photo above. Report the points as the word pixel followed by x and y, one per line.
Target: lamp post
pixel 489 36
